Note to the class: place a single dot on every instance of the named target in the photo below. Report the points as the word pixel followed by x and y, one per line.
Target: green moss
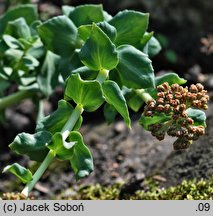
pixel 96 192
pixel 189 190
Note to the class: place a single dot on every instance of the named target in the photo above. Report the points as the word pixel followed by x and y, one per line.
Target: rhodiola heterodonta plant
pixel 98 60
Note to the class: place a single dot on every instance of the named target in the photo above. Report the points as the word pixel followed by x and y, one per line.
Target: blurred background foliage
pixel 184 28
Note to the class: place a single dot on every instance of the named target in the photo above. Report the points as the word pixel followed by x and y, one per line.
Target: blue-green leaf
pixel 114 96
pixel 59 35
pixel 171 78
pixel 110 113
pixel 30 62
pixel 73 149
pixel 85 30
pixel 135 68
pixel 87 93
pixel 33 145
pixel 12 42
pixel 22 173
pixel 134 101
pixel 48 77
pixel 18 29
pixel 145 121
pixel 67 64
pixel 86 14
pixel 67 10
pixel 28 12
pixel 154 47
pixel 131 26
pixel 56 121
pixel 85 73
pixel 81 161
pixel 99 52
pixel 198 116
pixel 62 149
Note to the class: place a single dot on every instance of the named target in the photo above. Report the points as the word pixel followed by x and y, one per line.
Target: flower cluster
pixel 173 102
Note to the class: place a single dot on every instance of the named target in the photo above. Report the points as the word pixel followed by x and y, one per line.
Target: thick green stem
pixel 50 156
pixel 68 127
pixel 15 98
pixel 40 113
pixel 145 96
pixel 102 75
pixel 72 121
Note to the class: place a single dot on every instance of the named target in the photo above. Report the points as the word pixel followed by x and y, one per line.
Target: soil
pixel 122 155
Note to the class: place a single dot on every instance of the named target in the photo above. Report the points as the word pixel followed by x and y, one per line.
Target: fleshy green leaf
pixel 85 73
pixel 18 29
pixel 37 51
pixel 30 62
pixel 13 55
pixel 48 77
pixel 33 145
pixel 75 150
pixel 28 12
pixel 85 30
pixel 12 42
pixel 110 113
pixel 145 121
pixel 108 29
pixel 130 25
pixel 154 47
pixel 56 121
pixel 33 27
pixel 87 93
pixel 67 10
pixel 69 63
pixel 99 52
pixel 60 147
pixel 59 35
pixel 134 101
pixel 27 81
pixel 135 68
pixel 86 14
pixel 81 161
pixel 3 48
pixel 107 16
pixel 4 84
pixel 146 38
pixel 21 172
pixel 197 115
pixel 171 78
pixel 114 96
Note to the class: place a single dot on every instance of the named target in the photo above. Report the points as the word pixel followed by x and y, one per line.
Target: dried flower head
pixel 174 101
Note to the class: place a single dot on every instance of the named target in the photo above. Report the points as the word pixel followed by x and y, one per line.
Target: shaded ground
pixel 122 155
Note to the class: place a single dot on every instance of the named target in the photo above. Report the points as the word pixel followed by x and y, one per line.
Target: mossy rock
pixel 187 190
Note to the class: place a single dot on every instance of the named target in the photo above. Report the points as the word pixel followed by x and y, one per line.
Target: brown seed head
pixel 193 88
pixel 160 108
pixel 167 108
pixel 175 87
pixel 190 121
pixel 181 143
pixel 166 86
pixel 169 96
pixel 199 87
pixel 148 113
pixel 161 94
pixel 160 101
pixel 160 88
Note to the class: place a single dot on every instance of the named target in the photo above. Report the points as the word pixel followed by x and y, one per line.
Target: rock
pixel 195 162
